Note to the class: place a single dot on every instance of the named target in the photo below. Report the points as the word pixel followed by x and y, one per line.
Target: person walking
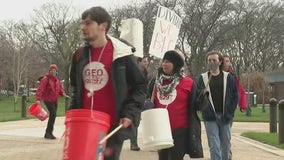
pixel 104 71
pixel 227 66
pixel 223 100
pixel 176 93
pixel 143 64
pixel 48 91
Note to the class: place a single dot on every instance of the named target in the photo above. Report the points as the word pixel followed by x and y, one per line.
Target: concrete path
pixel 23 140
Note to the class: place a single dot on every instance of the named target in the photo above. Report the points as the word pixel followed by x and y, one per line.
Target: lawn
pixel 267 138
pixel 7 112
pixel 257 115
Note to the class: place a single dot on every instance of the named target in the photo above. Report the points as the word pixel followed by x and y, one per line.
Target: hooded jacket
pixel 230 97
pixel 49 89
pixel 127 80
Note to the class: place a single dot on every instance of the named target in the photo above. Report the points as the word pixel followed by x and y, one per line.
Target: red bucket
pixel 83 133
pixel 37 111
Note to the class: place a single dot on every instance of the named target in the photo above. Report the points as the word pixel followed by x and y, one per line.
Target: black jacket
pixel 195 149
pixel 127 79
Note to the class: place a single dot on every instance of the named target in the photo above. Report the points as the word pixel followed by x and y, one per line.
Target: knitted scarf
pixel 166 89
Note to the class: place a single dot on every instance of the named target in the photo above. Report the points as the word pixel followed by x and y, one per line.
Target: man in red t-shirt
pixel 105 76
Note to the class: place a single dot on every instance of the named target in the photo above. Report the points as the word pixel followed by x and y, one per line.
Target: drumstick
pixel 110 134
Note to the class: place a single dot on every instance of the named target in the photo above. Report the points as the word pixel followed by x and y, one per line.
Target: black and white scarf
pixel 166 89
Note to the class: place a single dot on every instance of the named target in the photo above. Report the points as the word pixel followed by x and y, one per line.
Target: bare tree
pixel 146 12
pixel 257 38
pixel 204 27
pixel 250 32
pixel 57 34
pixel 19 48
pixel 5 63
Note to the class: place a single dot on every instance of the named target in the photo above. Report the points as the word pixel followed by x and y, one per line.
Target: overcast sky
pixel 22 9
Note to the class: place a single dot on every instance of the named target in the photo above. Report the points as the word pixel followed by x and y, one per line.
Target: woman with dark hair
pixel 176 92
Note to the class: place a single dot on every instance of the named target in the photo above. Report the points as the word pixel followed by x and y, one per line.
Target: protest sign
pixel 165 32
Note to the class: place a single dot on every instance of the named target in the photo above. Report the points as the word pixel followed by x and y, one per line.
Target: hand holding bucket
pixel 124 123
pixel 37 111
pixel 110 134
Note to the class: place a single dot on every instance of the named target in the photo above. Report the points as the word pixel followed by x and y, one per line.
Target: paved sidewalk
pixel 23 140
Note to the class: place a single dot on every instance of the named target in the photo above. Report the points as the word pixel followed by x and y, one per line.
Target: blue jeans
pixel 219 138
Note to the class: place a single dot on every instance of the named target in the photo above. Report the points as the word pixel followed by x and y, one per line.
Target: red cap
pixel 53 66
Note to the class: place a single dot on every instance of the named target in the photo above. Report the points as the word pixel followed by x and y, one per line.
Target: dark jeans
pixel 52 109
pixel 116 145
pixel 133 139
pixel 176 152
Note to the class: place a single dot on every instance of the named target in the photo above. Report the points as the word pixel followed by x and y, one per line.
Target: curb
pixel 260 145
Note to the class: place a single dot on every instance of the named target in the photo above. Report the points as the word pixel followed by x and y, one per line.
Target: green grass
pixel 267 138
pixel 8 113
pixel 257 115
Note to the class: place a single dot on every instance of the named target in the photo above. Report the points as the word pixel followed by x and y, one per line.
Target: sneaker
pixel 134 148
pixel 49 136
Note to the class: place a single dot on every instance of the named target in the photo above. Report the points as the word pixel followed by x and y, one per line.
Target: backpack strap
pixel 47 77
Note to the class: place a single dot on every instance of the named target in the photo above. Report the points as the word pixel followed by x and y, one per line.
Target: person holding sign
pixel 105 76
pixel 176 92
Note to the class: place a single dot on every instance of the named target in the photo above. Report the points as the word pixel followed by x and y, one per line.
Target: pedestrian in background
pixel 219 113
pixel 176 92
pixel 118 89
pixel 143 64
pixel 48 91
pixel 227 66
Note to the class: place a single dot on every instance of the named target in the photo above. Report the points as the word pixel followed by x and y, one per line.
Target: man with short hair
pixel 223 98
pixel 104 71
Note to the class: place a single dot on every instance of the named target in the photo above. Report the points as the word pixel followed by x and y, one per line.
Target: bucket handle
pixel 110 134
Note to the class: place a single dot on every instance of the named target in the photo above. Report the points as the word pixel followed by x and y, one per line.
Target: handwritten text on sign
pixel 165 32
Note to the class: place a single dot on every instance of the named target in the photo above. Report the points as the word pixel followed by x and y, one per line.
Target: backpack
pixel 41 77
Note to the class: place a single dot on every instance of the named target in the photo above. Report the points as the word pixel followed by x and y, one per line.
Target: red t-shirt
pixel 97 78
pixel 176 103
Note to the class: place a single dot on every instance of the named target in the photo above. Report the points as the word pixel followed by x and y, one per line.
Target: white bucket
pixel 156 129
